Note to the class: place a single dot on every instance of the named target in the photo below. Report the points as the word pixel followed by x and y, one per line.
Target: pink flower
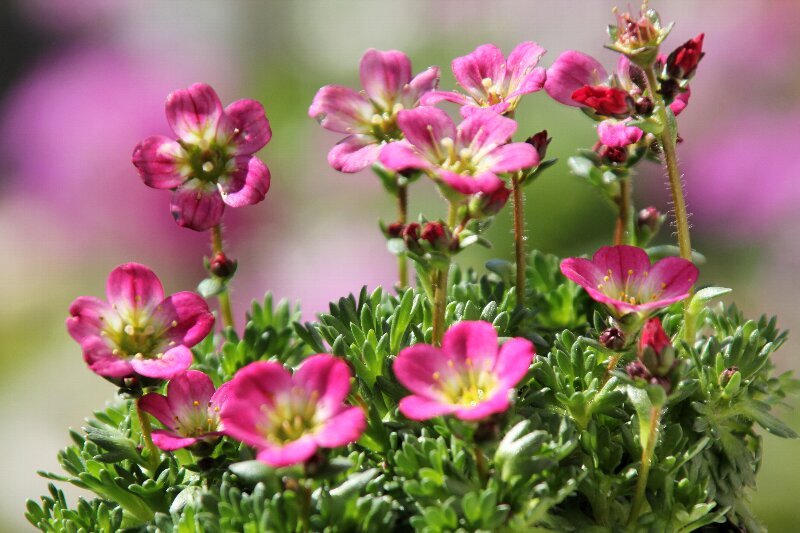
pixel 618 134
pixel 190 410
pixel 211 164
pixel 468 377
pixel 623 278
pixel 369 118
pixel 492 82
pixel 287 417
pixel 467 158
pixel 138 331
pixel 571 71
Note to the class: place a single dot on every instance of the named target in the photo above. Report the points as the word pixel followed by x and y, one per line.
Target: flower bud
pixel 613 339
pixel 222 267
pixel 727 374
pixel 655 349
pixel 485 205
pixel 638 36
pixel 612 155
pixel 394 230
pixel 683 61
pixel 607 101
pixel 540 141
pixel 411 238
pixel 650 218
pixel 437 235
pixel 644 106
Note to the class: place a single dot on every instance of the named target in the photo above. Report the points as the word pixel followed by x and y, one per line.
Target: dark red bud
pixel 637 370
pixel 613 339
pixel 644 106
pixel 485 205
pixel 727 374
pixel 683 61
pixel 411 237
pixel 394 230
pixel 437 235
pixel 649 217
pixel 608 101
pixel 540 141
pixel 613 155
pixel 222 267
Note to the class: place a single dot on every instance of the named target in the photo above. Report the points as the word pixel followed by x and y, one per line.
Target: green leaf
pixel 210 287
pixel 703 296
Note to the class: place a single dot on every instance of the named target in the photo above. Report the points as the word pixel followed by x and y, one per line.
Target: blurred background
pixel 82 81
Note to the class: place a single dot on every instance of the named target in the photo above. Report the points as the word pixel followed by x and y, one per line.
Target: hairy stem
pixel 223 297
pixel 402 262
pixel 644 469
pixel 519 237
pixel 623 230
pixel 439 304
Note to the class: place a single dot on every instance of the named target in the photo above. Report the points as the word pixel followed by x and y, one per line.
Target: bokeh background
pixel 82 81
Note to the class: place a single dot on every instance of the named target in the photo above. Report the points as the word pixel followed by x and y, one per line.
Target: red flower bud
pixel 608 101
pixel 222 267
pixel 613 339
pixel 485 205
pixel 394 230
pixel 411 238
pixel 613 155
pixel 437 235
pixel 540 141
pixel 654 337
pixel 682 63
pixel 649 217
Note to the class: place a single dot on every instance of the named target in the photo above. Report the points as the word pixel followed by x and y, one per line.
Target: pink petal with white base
pixel 571 71
pixel 486 61
pixel 618 134
pixel 384 74
pixel 132 287
pixel 87 316
pixel 401 155
pixel 186 317
pixel 326 377
pixel 169 365
pixel 194 111
pixel 354 153
pixel 621 260
pixel 474 340
pixel 187 388
pixel 434 97
pixel 522 75
pixel 497 403
pixel 341 109
pixel 486 182
pixel 98 355
pixel 157 160
pixel 484 130
pixel 673 276
pixel 531 83
pixel 422 84
pixel 425 127
pixel 197 205
pixel 248 184
pixel 248 125
pixel 415 367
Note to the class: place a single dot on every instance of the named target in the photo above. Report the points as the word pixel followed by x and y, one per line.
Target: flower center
pixel 467 386
pixel 206 163
pixel 630 289
pixel 136 335
pixel 291 417
pixel 197 420
pixel 460 161
pixel 384 123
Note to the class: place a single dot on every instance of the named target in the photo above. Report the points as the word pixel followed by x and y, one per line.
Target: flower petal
pixel 425 127
pixel 189 387
pixel 522 76
pixel 571 71
pixel 383 75
pixel 486 61
pixel 531 83
pixel 354 153
pixel 622 261
pixel 187 317
pixel 133 288
pixel 512 157
pixel 680 102
pixel 401 155
pixel 498 403
pixel 484 130
pixel 173 362
pixel 169 441
pixel 248 125
pixel 194 113
pixel 325 376
pixel 618 134
pixel 295 452
pixel 513 361
pixel 157 160
pixel 486 182
pixel 102 361
pixel 197 205
pixel 158 406
pixel 473 340
pixel 416 366
pixel 342 429
pixel 422 84
pixel 423 408
pixel 247 184
pixel 341 109
pixel 87 317
pixel 672 278
pixel 434 97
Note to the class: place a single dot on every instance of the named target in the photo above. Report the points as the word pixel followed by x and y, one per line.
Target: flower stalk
pixel 623 230
pixel 147 434
pixel 402 207
pixel 519 236
pixel 223 297
pixel 644 468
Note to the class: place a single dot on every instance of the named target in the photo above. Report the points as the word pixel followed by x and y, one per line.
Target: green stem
pixel 439 304
pixel 402 262
pixel 667 142
pixel 480 464
pixel 223 297
pixel 147 431
pixel 519 237
pixel 644 469
pixel 623 230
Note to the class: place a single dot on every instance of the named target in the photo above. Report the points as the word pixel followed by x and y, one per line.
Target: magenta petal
pixel 133 286
pixel 247 184
pixel 531 83
pixel 354 153
pixel 571 71
pixel 401 156
pixel 621 260
pixel 513 361
pixel 498 403
pixel 342 429
pixel 384 74
pixel 485 130
pixel 618 134
pixel 422 84
pixel 186 388
pixel 475 340
pixel 186 317
pixel 425 127
pixel 102 361
pixel 156 159
pixel 87 316
pixel 486 183
pixel 158 406
pixel 423 408
pixel 434 97
pixel 220 396
pixel 197 205
pixel 292 453
pixel 675 275
pixel 513 157
pixel 521 64
pixel 486 61
pixel 341 109
pixel 581 271
pixel 416 366
pixel 169 365
pixel 680 102
pixel 326 376
pixel 249 125
pixel 168 441
pixel 192 111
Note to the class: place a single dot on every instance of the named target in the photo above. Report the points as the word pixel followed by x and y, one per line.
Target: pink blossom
pixel 467 158
pixel 190 410
pixel 623 278
pixel 288 417
pixel 571 71
pixel 468 376
pixel 211 164
pixel 618 134
pixel 492 82
pixel 369 117
pixel 138 331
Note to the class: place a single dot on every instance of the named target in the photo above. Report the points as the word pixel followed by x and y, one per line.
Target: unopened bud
pixel 644 106
pixel 655 349
pixel 394 230
pixel 483 205
pixel 222 267
pixel 612 155
pixel 613 339
pixel 727 374
pixel 540 141
pixel 682 62
pixel 650 218
pixel 411 238
pixel 437 235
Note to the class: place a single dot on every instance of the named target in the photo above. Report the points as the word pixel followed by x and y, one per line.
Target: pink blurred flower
pixel 190 410
pixel 623 278
pixel 618 134
pixel 212 163
pixel 288 417
pixel 369 118
pixel 467 158
pixel 138 331
pixel 468 377
pixel 492 82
